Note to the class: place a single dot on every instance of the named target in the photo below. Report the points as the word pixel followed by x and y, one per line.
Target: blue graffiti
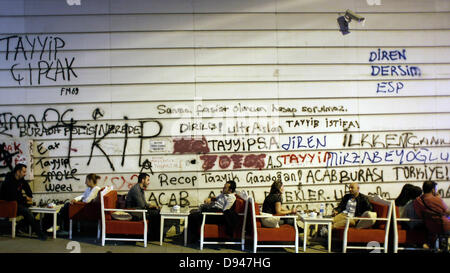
pixel 298 142
pixel 423 155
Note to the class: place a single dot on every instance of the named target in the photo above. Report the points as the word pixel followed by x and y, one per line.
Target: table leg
pixel 161 231
pixel 329 237
pixel 185 230
pixel 305 236
pixel 54 225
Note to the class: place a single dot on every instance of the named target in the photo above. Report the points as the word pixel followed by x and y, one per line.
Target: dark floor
pixel 85 242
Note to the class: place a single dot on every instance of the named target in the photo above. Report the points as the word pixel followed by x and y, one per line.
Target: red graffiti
pixel 302 157
pixel 248 161
pixel 208 161
pixel 120 182
pixel 12 148
pixel 195 146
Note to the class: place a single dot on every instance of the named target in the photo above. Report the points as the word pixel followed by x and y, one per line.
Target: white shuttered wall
pixel 203 91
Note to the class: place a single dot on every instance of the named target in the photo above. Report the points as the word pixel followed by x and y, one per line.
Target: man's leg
pixel 340 220
pixel 194 223
pixel 29 220
pixel 154 220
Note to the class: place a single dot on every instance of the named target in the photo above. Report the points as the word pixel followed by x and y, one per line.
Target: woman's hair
pixel 409 192
pixel 93 177
pixel 276 187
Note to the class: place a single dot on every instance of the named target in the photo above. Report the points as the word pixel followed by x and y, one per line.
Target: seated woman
pixel 273 201
pixel 405 204
pixel 89 194
pixel 91 191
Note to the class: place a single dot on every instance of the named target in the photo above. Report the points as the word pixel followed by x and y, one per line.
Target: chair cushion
pixel 360 235
pixel 124 227
pixel 121 216
pixel 219 231
pixel 270 222
pixel 285 233
pixel 371 215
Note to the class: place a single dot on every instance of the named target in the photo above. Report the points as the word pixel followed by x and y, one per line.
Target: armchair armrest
pixel 409 220
pixel 127 210
pixel 212 213
pixel 280 216
pixel 366 218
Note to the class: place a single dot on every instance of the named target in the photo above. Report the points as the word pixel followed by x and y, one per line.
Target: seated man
pixel 136 200
pixel 223 202
pixel 15 188
pixel 353 204
pixel 432 209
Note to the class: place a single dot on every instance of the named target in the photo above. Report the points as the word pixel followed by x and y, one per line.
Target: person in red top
pixel 433 211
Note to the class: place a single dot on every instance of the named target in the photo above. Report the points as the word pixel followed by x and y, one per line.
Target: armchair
pixel 379 232
pixel 80 211
pixel 108 200
pixel 416 236
pixel 285 233
pixel 218 231
pixel 8 209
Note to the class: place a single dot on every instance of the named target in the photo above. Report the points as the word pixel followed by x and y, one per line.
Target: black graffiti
pixel 143 137
pixel 97 113
pixel 25 124
pixel 421 173
pixel 147 165
pixel 51 48
pixel 403 140
pixel 46 70
pixel 219 178
pixel 255 178
pixel 125 143
pixel 379 192
pixel 51 68
pixel 6 158
pixel 444 194
pixel 58 187
pixel 165 180
pixel 96 144
pixel 181 199
pixel 301 195
pixel 341 176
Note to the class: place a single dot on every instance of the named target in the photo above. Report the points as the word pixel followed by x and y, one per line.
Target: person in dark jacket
pixel 15 188
pixel 353 204
pixel 136 200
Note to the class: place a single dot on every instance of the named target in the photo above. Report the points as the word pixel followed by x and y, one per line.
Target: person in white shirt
pixel 89 195
pixel 92 189
pixel 224 201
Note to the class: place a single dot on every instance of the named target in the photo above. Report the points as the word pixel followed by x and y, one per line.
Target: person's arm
pixel 280 211
pixel 340 207
pixel 444 207
pixel 93 194
pixel 230 199
pixel 28 193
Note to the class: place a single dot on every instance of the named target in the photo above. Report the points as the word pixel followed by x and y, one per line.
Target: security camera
pixel 351 15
